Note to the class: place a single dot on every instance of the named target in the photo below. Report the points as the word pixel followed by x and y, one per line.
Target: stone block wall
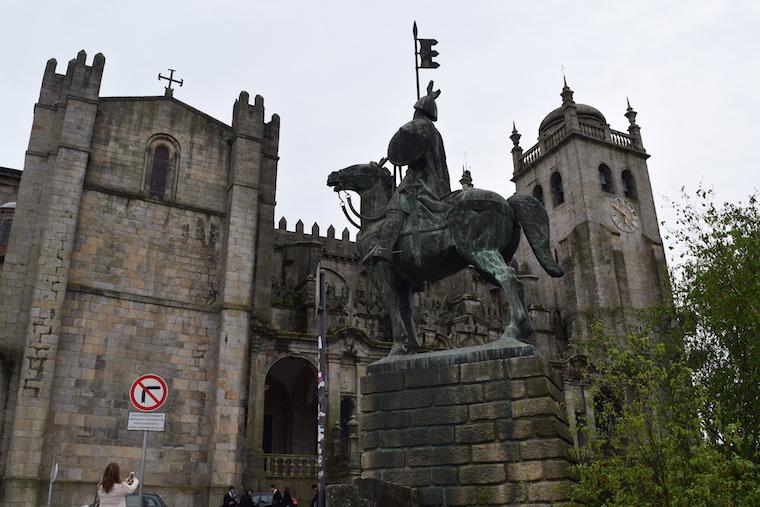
pixel 147 249
pixel 123 129
pixel 477 433
pixel 370 493
pixel 106 342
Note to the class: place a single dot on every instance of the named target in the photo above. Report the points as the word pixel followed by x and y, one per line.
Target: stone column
pixel 78 102
pixel 254 475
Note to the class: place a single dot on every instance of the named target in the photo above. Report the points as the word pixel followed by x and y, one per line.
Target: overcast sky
pixel 341 76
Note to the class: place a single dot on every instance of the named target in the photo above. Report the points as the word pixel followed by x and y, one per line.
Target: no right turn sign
pixel 148 392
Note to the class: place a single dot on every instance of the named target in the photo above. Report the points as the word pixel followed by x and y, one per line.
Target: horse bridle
pixel 353 210
pixel 343 208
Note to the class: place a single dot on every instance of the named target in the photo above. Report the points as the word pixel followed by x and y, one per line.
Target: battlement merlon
pixel 343 246
pixel 272 136
pixel 248 119
pixel 255 145
pixel 80 81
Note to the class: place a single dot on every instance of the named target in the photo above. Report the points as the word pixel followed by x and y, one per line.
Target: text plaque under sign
pixel 143 421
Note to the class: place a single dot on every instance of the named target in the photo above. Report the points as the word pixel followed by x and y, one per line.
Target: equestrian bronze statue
pixel 421 231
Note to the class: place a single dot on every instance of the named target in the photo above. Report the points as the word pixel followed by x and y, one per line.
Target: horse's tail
pixel 531 216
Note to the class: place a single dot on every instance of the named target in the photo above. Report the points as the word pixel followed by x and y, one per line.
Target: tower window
pixel 5 231
pixel 159 172
pixel 538 193
pixel 629 185
pixel 161 161
pixel 605 179
pixel 558 191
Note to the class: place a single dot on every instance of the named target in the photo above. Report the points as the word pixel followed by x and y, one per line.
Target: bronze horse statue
pixel 479 228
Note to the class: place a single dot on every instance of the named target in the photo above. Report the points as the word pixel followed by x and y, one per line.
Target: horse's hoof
pixel 510 338
pixel 508 342
pixel 397 350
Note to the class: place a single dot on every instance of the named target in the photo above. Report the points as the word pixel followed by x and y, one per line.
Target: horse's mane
pixel 386 179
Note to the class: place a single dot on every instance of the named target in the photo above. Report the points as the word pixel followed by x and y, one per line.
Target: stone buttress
pixel 248 229
pixel 36 269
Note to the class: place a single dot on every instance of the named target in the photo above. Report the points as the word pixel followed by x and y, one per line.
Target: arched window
pixel 538 193
pixel 607 410
pixel 558 191
pixel 605 179
pixel 158 172
pixel 5 230
pixel 161 161
pixel 629 185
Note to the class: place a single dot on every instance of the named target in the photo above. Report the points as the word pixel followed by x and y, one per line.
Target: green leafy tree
pixel 647 447
pixel 677 408
pixel 717 304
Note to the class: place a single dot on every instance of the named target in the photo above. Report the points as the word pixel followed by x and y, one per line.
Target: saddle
pixel 422 219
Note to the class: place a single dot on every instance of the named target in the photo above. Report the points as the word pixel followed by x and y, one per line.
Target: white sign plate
pixel 142 421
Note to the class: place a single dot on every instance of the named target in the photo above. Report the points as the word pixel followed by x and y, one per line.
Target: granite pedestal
pixel 475 426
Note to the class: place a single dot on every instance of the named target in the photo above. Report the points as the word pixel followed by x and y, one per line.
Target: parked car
pixel 148 500
pixel 262 499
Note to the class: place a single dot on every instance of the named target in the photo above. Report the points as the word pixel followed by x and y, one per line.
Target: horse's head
pixel 360 177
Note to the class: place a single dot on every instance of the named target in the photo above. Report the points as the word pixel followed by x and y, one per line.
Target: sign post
pixel 53 476
pixel 322 394
pixel 148 393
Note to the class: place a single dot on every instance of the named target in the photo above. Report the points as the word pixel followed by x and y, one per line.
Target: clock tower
pixel 594 183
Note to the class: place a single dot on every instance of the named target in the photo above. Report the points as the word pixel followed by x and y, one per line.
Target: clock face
pixel 624 215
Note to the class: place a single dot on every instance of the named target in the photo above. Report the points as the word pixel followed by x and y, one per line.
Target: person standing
pixel 315 498
pixel 246 500
pixel 230 499
pixel 276 496
pixel 112 491
pixel 287 499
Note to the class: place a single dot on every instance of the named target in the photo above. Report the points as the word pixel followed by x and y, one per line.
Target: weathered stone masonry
pixel 478 432
pixel 103 280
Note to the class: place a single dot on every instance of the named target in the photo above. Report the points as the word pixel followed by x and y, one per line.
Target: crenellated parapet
pixel 331 245
pixel 80 80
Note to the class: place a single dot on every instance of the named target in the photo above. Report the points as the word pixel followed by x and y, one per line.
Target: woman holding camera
pixel 112 491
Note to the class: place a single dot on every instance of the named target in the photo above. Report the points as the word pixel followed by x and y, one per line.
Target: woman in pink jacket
pixel 112 490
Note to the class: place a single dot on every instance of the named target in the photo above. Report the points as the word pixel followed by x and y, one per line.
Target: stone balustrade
pixel 290 465
pixel 621 138
pixel 531 155
pixel 551 140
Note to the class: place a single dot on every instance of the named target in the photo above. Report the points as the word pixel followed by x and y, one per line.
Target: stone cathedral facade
pixel 142 239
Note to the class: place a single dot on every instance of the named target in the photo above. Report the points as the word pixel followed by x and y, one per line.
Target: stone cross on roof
pixel 168 90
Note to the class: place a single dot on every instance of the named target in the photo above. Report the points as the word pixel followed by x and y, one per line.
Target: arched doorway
pixel 290 408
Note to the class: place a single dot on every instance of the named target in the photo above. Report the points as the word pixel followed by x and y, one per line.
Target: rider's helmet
pixel 426 105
